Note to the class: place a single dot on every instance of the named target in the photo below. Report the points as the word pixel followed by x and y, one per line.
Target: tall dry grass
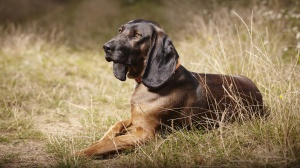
pixel 56 89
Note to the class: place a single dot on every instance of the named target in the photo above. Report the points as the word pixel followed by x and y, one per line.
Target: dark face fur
pixel 142 49
pixel 129 49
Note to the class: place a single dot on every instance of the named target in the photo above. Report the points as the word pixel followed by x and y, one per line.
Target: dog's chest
pixel 146 101
pixel 143 96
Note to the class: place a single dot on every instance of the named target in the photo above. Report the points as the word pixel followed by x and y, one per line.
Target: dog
pixel 167 96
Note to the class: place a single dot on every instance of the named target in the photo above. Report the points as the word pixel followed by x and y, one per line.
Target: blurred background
pixel 89 23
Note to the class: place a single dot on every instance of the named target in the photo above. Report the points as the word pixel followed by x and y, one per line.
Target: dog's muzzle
pixel 108 49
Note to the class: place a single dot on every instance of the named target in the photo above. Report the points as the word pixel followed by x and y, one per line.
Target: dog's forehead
pixel 142 25
pixel 139 25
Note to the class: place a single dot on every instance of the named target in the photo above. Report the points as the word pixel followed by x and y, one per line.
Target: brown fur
pixel 179 99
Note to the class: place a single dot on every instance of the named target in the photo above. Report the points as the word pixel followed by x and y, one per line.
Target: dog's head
pixel 142 49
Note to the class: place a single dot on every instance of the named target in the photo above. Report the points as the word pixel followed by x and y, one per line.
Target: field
pixel 58 94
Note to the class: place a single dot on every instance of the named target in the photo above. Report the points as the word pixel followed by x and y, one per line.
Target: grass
pixel 58 92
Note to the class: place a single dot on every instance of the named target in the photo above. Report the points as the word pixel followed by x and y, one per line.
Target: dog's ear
pixel 162 60
pixel 120 71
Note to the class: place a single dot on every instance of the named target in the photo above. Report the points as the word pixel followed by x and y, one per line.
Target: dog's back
pixel 230 97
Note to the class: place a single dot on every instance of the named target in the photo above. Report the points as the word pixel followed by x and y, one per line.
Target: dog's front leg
pixel 117 129
pixel 114 144
pixel 113 131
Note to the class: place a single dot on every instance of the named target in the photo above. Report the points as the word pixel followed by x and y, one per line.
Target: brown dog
pixel 167 95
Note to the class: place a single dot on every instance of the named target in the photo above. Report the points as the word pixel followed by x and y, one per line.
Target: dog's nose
pixel 107 48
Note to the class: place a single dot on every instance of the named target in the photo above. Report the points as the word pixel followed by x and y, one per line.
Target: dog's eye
pixel 120 30
pixel 137 35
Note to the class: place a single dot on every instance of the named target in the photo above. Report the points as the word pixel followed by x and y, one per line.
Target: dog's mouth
pixel 108 59
pixel 120 71
pixel 118 59
pixel 121 64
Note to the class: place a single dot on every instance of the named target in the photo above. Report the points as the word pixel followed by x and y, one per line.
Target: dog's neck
pixel 139 79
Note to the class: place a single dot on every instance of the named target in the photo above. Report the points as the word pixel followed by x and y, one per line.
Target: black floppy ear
pixel 120 71
pixel 161 64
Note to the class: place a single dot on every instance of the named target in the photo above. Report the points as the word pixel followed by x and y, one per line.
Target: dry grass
pixel 57 93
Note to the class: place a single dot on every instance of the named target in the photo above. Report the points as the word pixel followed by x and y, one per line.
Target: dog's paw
pixel 79 153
